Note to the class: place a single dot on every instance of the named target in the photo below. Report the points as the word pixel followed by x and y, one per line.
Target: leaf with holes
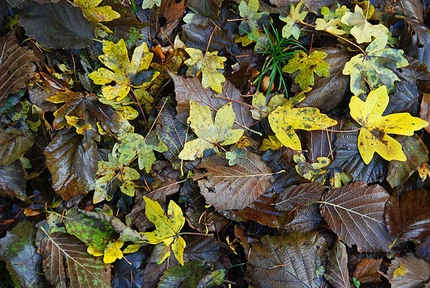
pixel 356 214
pixel 233 187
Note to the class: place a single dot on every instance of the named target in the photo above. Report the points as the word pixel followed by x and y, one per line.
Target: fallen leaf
pixel 292 19
pixel 367 270
pixel 113 252
pixel 337 266
pixel 408 272
pixel 251 16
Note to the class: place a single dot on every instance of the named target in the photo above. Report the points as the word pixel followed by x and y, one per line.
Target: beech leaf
pixel 337 267
pixel 373 136
pixel 407 272
pixel 208 64
pixel 211 133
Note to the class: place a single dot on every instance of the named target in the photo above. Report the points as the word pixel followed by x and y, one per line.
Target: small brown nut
pixel 265 84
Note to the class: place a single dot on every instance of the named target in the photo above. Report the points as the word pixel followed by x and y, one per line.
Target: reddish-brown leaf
pixel 408 272
pixel 356 214
pixel 367 270
pixel 407 215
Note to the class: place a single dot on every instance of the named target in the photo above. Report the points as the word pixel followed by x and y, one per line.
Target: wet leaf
pixel 188 275
pixel 72 166
pixel 81 270
pixel 356 214
pixel 125 73
pixel 233 187
pixel 408 272
pixel 56 25
pixel 15 142
pixel 367 270
pixel 373 136
pixel 167 228
pixel 12 182
pixel 19 253
pixel 211 133
pixel 208 64
pixel 16 66
pixel 375 68
pixel 285 119
pixel 128 271
pixel 287 261
pixel 337 266
pixel 308 65
pixel 202 248
pixel 407 215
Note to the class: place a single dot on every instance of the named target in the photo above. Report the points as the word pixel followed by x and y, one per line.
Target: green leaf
pixel 125 73
pixel 188 275
pixel 167 228
pixel 133 145
pixel 308 65
pixel 292 19
pixel 208 64
pixel 210 133
pixel 375 67
pixel 285 119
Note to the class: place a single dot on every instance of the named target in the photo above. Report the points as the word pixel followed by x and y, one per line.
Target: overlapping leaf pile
pixel 137 150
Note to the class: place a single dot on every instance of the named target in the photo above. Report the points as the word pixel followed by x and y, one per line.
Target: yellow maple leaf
pixel 123 72
pixel 285 119
pixel 98 14
pixel 208 64
pixel 113 252
pixel 373 136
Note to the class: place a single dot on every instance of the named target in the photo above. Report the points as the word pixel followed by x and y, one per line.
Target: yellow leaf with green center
pixel 362 30
pixel 113 252
pixel 210 133
pixel 208 64
pixel 167 228
pixel 373 136
pixel 308 65
pixel 97 14
pixel 295 16
pixel 125 73
pixel 285 119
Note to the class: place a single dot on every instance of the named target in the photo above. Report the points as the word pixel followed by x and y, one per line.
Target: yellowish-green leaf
pixel 113 252
pixel 249 12
pixel 296 16
pixel 210 133
pixel 308 65
pixel 208 64
pixel 167 228
pixel 284 120
pixel 261 108
pixel 148 4
pixel 375 68
pixel 97 14
pixel 123 72
pixel 373 136
pixel 363 30
pixel 270 143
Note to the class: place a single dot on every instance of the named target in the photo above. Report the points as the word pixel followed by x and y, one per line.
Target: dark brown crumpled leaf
pixel 233 187
pixel 287 261
pixel 337 266
pixel 12 181
pixel 408 272
pixel 356 214
pixel 187 89
pixel 407 215
pixel 15 141
pixel 16 66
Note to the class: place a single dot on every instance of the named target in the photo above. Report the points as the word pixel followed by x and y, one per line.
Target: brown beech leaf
pixel 407 215
pixel 337 266
pixel 233 187
pixel 15 142
pixel 187 89
pixel 66 262
pixel 72 166
pixel 408 272
pixel 356 214
pixel 367 270
pixel 291 260
pixel 12 181
pixel 16 66
pixel 425 109
pixel 298 195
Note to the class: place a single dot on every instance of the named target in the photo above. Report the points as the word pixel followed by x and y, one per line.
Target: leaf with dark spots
pixel 407 215
pixel 73 167
pixel 16 66
pixel 233 187
pixel 56 25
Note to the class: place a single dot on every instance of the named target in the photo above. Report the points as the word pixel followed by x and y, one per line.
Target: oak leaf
pixel 373 136
pixel 210 133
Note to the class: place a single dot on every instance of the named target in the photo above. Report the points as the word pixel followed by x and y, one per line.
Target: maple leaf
pixel 98 14
pixel 332 20
pixel 285 119
pixel 113 252
pixel 308 65
pixel 167 228
pixel 362 30
pixel 292 28
pixel 210 133
pixel 109 173
pixel 375 67
pixel 373 136
pixel 133 145
pixel 249 12
pixel 148 4
pixel 123 72
pixel 208 64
